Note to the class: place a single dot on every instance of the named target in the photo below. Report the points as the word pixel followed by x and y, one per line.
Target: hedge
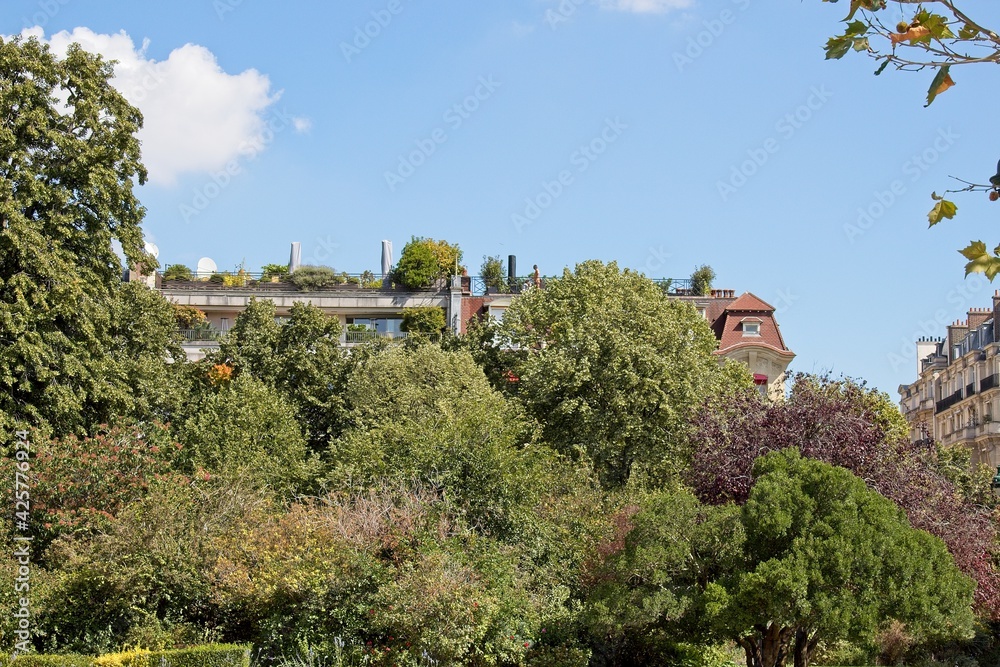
pixel 209 655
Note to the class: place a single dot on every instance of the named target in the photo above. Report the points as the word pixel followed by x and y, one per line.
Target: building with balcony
pixel 956 396
pixel 745 325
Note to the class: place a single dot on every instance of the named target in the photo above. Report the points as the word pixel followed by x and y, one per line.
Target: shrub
pixel 418 265
pixel 177 272
pixel 492 274
pixel 188 317
pixel 274 270
pixel 208 655
pixel 134 658
pixel 308 278
pixel 701 280
pixel 428 320
pixel 238 279
pixel 40 660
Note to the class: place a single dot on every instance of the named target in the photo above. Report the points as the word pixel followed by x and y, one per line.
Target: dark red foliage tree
pixel 847 425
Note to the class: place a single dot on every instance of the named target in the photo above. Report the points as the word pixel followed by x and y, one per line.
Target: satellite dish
pixel 151 249
pixel 206 267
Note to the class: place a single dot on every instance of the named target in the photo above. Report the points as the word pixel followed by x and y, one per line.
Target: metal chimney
pixel 295 258
pixel 511 267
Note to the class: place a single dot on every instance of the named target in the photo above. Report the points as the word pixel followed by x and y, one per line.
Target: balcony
pixel 988 382
pixel 970 389
pixel 359 337
pixel 946 403
pixel 200 334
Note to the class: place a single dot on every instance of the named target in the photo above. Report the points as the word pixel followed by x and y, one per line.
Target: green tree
pixel 418 265
pixel 701 280
pixel 825 558
pixel 429 415
pixel 248 430
pixel 302 359
pixel 648 587
pixel 252 343
pixel 66 192
pixel 427 321
pixel 424 261
pixel 492 274
pixel 612 367
pixel 925 40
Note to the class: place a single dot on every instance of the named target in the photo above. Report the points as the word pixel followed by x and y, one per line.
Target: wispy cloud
pixel 646 6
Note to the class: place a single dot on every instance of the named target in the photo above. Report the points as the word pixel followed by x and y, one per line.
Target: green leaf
pixel 937 25
pixel 975 250
pixel 853 37
pixel 980 261
pixel 942 82
pixel 837 47
pixel 881 68
pixel 968 32
pixel 944 209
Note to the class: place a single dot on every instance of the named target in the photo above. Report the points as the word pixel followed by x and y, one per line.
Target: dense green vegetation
pixel 581 484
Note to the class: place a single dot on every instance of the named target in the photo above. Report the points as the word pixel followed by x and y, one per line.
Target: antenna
pixel 206 267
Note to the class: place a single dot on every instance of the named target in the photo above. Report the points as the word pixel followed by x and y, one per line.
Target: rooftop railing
pixel 473 285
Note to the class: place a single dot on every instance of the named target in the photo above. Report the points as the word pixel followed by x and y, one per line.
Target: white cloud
pixel 197 117
pixel 646 6
pixel 301 125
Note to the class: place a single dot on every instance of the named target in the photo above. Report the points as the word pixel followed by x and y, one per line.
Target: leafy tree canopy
pixel 71 160
pixel 844 424
pixel 612 367
pixel 827 558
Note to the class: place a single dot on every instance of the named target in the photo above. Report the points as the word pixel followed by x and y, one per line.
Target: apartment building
pixel 956 396
pixel 745 325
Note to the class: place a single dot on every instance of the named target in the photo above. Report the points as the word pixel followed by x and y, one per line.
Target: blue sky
pixel 662 134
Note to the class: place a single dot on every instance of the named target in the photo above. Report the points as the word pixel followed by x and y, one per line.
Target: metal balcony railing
pixel 201 334
pixel 358 337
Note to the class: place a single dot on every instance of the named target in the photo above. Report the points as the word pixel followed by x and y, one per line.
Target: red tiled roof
pixel 728 328
pixel 750 302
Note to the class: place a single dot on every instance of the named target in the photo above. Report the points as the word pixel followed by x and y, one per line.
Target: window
pixel 751 328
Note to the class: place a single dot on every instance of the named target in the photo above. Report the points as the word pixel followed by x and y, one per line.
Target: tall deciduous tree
pixel 302 359
pixel 612 367
pixel 69 160
pixel 426 414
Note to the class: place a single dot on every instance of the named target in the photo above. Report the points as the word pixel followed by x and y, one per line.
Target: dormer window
pixel 751 326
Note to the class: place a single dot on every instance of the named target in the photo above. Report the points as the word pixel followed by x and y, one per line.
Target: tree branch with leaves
pixel 923 39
